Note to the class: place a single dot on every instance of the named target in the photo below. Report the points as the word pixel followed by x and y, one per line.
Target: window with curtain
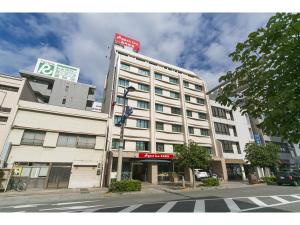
pixel 33 137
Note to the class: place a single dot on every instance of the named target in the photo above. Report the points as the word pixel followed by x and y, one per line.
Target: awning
pixel 154 161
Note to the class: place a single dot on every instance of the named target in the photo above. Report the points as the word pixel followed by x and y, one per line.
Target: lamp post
pixel 126 112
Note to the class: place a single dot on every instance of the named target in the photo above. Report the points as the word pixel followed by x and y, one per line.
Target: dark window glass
pixel 204 132
pixel 120 100
pixel 175 110
pixel 189 113
pixel 160 147
pixel 191 130
pixel 142 146
pixel 227 146
pixel 200 101
pixel 8 88
pixel 201 116
pixel 176 128
pixel 33 137
pixel 187 98
pixel 221 128
pixel 159 108
pixel 142 123
pixel 158 91
pixel 159 126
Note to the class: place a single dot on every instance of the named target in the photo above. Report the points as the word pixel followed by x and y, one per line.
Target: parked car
pixel 288 177
pixel 200 174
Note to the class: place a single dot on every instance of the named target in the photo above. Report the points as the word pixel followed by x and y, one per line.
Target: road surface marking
pixel 71 207
pixel 131 208
pixel 167 207
pixel 257 201
pixel 233 207
pixel 70 203
pixel 199 206
pixel 19 212
pixel 279 199
pixel 295 196
pixel 25 206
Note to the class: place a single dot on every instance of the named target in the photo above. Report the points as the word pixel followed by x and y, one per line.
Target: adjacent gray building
pixel 60 92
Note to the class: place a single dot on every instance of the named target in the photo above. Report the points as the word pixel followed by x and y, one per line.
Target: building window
pixel 175 110
pixel 5 110
pixel 142 123
pixel 189 113
pixel 191 130
pixel 159 108
pixel 234 131
pixel 187 98
pixel 201 116
pixel 142 146
pixel 185 84
pixel 221 128
pixel 160 147
pixel 227 146
pixel 173 80
pixel 175 146
pixel 3 119
pixel 174 94
pixel 158 91
pixel 231 115
pixel 158 76
pixel 116 143
pixel 218 112
pixel 176 128
pixel 63 101
pixel 33 137
pixel 120 100
pixel 209 150
pixel 123 82
pixel 204 132
pixel 143 72
pixel 143 87
pixel 117 120
pixel 198 87
pixel 200 101
pixel 238 148
pixel 8 88
pixel 143 105
pixel 76 141
pixel 159 126
pixel 125 66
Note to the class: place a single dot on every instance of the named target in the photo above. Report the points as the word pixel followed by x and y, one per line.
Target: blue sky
pixel 195 41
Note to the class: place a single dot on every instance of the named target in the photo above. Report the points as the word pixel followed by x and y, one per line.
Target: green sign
pixel 56 70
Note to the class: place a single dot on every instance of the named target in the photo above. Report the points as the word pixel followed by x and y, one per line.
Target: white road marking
pixel 257 201
pixel 70 203
pixel 70 207
pixel 199 206
pixel 279 199
pixel 295 196
pixel 233 207
pixel 131 208
pixel 19 212
pixel 25 206
pixel 167 207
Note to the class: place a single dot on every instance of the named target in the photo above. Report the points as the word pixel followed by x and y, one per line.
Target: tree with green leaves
pixel 193 156
pixel 262 155
pixel 268 77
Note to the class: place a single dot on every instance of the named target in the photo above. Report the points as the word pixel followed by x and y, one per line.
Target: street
pixel 246 199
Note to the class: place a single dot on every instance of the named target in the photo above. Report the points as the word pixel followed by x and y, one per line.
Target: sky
pixel 200 42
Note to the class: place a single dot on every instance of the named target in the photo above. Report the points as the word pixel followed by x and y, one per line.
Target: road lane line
pixel 25 206
pixel 167 207
pixel 277 198
pixel 70 203
pixel 199 206
pixel 131 208
pixel 71 207
pixel 257 201
pixel 295 196
pixel 233 207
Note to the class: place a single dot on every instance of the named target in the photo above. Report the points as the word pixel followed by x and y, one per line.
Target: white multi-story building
pixel 169 108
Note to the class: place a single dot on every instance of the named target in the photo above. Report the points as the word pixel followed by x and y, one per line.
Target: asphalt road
pixel 245 200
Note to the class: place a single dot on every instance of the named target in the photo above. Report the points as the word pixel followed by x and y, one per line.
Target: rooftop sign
pixel 126 41
pixel 56 70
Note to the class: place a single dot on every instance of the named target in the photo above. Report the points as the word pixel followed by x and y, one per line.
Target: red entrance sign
pixel 155 156
pixel 125 41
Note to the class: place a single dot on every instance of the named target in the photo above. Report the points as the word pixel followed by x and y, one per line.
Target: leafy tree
pixel 268 75
pixel 192 156
pixel 262 156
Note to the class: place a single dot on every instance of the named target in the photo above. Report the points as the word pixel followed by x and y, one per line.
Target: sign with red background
pixel 125 41
pixel 155 156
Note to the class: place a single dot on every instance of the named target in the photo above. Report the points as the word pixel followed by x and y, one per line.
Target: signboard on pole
pixel 56 70
pixel 155 156
pixel 126 41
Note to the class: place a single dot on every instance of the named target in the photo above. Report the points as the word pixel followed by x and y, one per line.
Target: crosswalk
pixel 239 204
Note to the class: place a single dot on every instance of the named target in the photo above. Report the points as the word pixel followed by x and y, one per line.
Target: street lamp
pixel 126 112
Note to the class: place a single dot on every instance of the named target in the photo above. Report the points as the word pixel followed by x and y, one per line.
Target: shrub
pixel 269 180
pixel 125 186
pixel 211 182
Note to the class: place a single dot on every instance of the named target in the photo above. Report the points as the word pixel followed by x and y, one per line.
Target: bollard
pixel 183 182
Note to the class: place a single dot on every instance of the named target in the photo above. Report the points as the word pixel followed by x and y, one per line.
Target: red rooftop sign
pixel 155 156
pixel 125 41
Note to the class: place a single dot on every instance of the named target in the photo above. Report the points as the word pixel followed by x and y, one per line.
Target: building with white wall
pixel 57 147
pixel 170 107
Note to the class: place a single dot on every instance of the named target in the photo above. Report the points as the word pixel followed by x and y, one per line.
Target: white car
pixel 200 174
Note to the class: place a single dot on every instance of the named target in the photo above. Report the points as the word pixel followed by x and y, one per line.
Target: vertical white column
pixel 152 112
pixel 183 109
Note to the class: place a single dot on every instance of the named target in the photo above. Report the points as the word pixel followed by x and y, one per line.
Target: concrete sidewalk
pixel 146 189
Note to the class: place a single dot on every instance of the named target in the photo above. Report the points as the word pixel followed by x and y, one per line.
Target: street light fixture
pixel 126 112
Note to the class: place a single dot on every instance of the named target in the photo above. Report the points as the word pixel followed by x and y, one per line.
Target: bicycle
pixel 17 185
